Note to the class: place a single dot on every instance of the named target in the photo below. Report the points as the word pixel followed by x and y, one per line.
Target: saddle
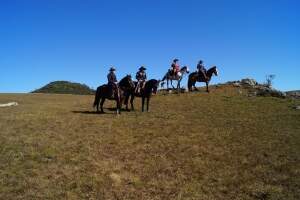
pixel 139 87
pixel 174 74
pixel 201 75
pixel 113 90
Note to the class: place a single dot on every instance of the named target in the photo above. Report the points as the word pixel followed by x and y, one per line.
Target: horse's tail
pixel 97 97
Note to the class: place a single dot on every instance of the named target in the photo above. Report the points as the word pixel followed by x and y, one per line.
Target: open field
pixel 222 145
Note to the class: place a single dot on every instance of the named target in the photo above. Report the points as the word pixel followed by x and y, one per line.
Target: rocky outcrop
pixel 249 81
pixel 270 92
pixel 256 89
pixel 293 94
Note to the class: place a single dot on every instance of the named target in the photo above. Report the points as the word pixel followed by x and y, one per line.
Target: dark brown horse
pixel 195 77
pixel 145 93
pixel 119 93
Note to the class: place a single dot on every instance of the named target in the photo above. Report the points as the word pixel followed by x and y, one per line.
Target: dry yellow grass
pixel 222 145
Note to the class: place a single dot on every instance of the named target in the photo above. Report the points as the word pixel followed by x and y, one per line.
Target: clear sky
pixel 78 40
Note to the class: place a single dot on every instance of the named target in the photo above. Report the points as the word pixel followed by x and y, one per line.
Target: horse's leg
pixel 178 85
pixel 172 84
pixel 118 106
pixel 143 103
pixel 101 104
pixel 167 84
pixel 207 86
pixel 126 102
pixel 131 102
pixel 194 84
pixel 148 100
pixel 97 106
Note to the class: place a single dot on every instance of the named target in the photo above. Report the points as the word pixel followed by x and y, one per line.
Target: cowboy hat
pixel 142 68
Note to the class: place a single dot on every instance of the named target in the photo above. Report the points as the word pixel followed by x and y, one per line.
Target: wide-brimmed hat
pixel 175 60
pixel 142 68
pixel 112 69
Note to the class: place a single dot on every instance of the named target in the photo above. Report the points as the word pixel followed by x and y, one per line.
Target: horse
pixel 169 77
pixel 194 77
pixel 145 93
pixel 119 93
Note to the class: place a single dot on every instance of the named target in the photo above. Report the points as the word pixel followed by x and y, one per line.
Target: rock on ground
pixel 8 104
pixel 297 107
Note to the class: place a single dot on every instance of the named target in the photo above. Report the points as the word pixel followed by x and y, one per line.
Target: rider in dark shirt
pixel 112 81
pixel 141 77
pixel 201 69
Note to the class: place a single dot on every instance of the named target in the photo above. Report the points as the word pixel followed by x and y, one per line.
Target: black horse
pixel 119 93
pixel 145 93
pixel 195 77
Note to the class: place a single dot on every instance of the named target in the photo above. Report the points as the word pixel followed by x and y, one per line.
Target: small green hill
pixel 65 87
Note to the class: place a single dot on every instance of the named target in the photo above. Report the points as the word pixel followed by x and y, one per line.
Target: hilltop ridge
pixel 65 87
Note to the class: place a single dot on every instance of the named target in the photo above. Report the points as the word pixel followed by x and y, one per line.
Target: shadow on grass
pixel 99 113
pixel 90 112
pixel 115 109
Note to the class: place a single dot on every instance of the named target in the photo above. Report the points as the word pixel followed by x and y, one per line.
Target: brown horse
pixel 145 93
pixel 119 93
pixel 196 77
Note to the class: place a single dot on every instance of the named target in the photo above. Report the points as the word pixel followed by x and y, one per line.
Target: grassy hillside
pixel 65 87
pixel 222 145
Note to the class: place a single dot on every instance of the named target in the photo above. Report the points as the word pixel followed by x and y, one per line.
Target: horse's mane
pixel 184 67
pixel 152 81
pixel 123 80
pixel 211 70
pixel 213 67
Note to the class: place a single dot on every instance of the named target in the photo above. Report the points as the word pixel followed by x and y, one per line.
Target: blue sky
pixel 78 40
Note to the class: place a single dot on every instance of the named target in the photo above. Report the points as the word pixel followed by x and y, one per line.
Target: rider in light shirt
pixel 175 67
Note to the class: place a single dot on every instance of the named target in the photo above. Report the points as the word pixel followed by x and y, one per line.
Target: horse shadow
pixel 88 112
pixel 115 109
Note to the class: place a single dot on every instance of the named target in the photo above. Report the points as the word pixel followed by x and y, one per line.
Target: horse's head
pixel 185 69
pixel 130 81
pixel 127 82
pixel 215 70
pixel 155 85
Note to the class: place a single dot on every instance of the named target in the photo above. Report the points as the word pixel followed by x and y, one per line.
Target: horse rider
pixel 141 77
pixel 112 81
pixel 201 69
pixel 175 68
